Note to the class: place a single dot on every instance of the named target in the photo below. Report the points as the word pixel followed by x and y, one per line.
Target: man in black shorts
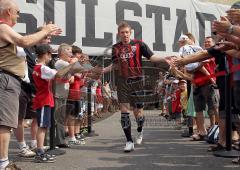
pixel 127 58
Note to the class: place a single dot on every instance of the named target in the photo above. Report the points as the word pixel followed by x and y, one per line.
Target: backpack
pixel 213 134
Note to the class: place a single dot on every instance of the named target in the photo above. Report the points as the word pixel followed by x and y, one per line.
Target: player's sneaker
pixel 139 138
pixel 129 147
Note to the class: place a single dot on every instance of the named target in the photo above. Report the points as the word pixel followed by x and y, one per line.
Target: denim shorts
pixel 44 117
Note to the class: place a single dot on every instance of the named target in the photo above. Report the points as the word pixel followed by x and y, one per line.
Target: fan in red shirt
pixel 176 102
pixel 74 102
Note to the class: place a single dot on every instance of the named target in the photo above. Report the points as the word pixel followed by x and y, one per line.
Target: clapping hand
pixel 221 26
pixel 52 29
pixel 225 46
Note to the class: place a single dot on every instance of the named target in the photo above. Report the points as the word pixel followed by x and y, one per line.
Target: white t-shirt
pixel 61 64
pixel 61 88
pixel 21 53
pixel 47 73
pixel 187 50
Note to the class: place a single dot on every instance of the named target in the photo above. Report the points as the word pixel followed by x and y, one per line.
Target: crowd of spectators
pixel 33 83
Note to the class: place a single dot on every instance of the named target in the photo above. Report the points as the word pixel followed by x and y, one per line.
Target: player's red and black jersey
pixel 128 57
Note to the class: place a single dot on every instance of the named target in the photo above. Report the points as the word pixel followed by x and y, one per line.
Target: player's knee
pixel 140 120
pixel 125 120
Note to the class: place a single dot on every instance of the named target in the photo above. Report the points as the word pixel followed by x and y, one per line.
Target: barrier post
pixel 91 132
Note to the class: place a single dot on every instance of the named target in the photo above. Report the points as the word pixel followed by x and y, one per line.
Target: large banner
pixel 92 24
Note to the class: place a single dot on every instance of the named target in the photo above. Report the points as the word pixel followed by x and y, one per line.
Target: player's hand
pixel 179 62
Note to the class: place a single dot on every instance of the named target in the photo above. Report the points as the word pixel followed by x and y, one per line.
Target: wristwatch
pixel 230 29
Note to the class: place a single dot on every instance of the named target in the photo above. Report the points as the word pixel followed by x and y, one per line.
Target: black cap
pixel 43 49
pixel 236 5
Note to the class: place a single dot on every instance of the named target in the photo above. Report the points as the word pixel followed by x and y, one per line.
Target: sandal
pixel 186 134
pixel 198 138
pixel 236 161
pixel 236 142
pixel 218 147
pixel 236 147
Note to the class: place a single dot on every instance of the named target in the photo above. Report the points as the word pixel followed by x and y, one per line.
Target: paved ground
pixel 163 148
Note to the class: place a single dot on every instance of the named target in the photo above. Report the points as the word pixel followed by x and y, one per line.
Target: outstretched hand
pixel 52 29
pixel 170 60
pixel 221 26
pixel 178 62
pixel 225 46
pixel 95 72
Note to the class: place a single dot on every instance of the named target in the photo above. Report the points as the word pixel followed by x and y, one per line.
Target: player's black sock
pixel 126 125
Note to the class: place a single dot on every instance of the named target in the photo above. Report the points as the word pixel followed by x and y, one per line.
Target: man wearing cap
pixel 12 70
pixel 202 92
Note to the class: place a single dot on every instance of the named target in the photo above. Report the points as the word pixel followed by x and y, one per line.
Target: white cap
pixel 182 81
pixel 176 81
pixel 183 38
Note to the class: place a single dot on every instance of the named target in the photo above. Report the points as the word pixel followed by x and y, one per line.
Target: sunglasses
pixel 17 11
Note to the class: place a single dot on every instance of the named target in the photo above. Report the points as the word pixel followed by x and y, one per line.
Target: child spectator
pixel 43 101
pixel 184 96
pixel 176 104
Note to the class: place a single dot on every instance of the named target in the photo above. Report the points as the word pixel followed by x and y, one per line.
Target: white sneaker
pixel 34 148
pixel 45 148
pixel 139 138
pixel 129 147
pixel 26 152
pixel 77 142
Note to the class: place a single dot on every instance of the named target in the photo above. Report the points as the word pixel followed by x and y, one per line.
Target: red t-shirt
pixel 200 78
pixel 99 94
pixel 176 103
pixel 99 91
pixel 74 89
pixel 42 76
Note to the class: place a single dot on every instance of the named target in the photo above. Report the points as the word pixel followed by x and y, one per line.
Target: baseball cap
pixel 183 38
pixel 236 5
pixel 176 81
pixel 182 81
pixel 43 49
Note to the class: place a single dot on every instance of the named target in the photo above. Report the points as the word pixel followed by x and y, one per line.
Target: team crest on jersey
pixel 125 49
pixel 134 49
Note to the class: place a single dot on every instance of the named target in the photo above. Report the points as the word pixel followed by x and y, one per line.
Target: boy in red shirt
pixel 43 101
